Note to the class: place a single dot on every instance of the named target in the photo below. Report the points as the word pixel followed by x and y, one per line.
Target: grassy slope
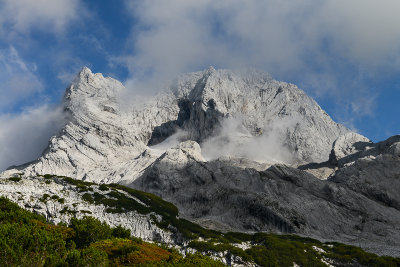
pixel 265 249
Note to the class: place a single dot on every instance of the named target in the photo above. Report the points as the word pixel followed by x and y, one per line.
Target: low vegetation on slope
pixel 26 238
pixel 285 250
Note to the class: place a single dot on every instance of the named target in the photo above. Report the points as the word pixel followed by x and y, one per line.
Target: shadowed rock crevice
pixel 165 130
pixel 197 123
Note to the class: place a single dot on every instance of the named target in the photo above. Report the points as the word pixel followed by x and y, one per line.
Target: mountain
pixel 107 140
pixel 232 150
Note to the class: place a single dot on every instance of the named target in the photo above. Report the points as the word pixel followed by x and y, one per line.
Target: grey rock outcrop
pixel 374 172
pixel 359 204
pixel 346 145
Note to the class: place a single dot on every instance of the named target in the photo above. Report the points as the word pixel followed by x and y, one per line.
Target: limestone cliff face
pixel 103 142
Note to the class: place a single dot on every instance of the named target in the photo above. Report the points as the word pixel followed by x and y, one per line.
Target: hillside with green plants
pixel 27 239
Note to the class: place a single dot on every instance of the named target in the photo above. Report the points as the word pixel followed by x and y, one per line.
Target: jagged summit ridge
pixel 106 143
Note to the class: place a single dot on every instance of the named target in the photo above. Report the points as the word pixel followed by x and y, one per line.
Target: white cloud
pixel 271 33
pixel 18 80
pixel 21 16
pixel 364 30
pixel 234 140
pixel 24 136
pixel 322 44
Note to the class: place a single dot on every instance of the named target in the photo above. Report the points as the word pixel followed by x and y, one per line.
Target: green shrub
pixel 25 240
pixel 77 183
pixel 15 179
pixel 82 188
pixel 121 232
pixel 346 254
pixel 199 260
pixel 28 244
pixel 44 198
pixel 12 213
pixel 90 256
pixel 48 176
pixel 155 203
pixel 88 197
pixel 66 210
pixel 103 187
pixel 86 211
pixel 89 230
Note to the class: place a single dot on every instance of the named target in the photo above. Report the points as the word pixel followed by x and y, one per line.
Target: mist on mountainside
pixel 234 140
pixel 23 137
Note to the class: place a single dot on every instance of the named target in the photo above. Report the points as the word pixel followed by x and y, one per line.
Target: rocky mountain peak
pixel 83 75
pixel 210 70
pixel 84 78
pixel 103 141
pixel 92 95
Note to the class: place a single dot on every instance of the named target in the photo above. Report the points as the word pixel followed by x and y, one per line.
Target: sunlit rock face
pixel 347 145
pixel 229 113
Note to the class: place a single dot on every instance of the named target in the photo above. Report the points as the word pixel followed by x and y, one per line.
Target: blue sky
pixel 345 54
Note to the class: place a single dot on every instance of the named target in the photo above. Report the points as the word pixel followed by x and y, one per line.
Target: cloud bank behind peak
pixel 330 48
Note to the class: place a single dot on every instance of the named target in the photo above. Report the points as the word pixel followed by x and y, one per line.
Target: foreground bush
pixel 89 230
pixel 27 240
